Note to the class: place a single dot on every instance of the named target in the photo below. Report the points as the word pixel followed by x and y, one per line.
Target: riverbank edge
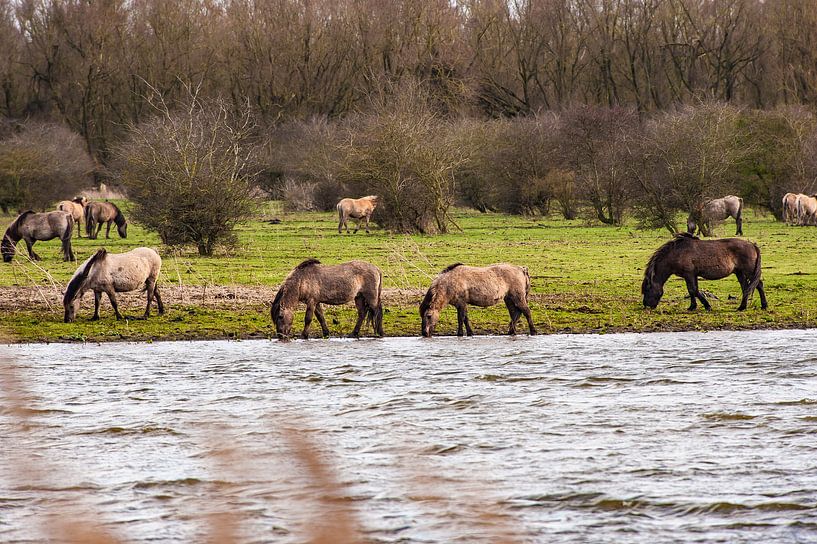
pixel 11 339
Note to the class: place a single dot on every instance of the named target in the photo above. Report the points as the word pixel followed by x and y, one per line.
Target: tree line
pixel 91 65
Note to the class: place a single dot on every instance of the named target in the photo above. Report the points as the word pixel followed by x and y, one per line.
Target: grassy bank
pixel 584 279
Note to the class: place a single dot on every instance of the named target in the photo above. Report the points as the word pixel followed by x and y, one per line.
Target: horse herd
pixel 31 227
pixel 312 283
pixel 800 209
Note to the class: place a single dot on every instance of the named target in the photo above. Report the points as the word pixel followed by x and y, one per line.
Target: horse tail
pixel 755 275
pixel 740 208
pixel 89 218
pixel 81 275
pixel 374 316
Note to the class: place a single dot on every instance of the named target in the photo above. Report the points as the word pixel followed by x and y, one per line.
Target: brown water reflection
pixel 679 437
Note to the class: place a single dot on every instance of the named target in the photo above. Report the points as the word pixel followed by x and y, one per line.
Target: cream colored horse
pixel 113 273
pixel 806 210
pixel 356 208
pixel 790 208
pixel 76 208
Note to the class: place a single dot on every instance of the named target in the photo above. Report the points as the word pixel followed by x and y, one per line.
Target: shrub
pixel 190 172
pixel 41 163
pixel 399 150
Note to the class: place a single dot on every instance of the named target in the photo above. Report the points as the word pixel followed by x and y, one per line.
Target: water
pixel 686 437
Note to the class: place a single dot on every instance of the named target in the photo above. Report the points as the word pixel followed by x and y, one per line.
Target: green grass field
pixel 585 278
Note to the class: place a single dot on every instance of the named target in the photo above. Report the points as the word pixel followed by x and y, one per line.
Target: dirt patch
pixel 230 297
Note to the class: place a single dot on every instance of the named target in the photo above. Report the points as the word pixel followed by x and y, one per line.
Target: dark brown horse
pixel 97 213
pixel 30 227
pixel 314 284
pixel 461 285
pixel 691 258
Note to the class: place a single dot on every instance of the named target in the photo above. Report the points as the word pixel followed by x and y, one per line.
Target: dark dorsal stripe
pixel 451 267
pixel 307 263
pixel 76 282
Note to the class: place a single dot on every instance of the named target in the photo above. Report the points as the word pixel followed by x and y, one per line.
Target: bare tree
pixel 190 171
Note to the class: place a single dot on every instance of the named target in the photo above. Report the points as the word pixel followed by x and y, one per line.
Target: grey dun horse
pixel 31 227
pixel 97 213
pixel 460 285
pixel 113 273
pixel 314 284
pixel 715 211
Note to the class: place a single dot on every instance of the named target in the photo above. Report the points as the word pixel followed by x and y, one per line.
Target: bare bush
pixel 686 158
pixel 399 150
pixel 41 163
pixel 591 145
pixel 297 195
pixel 189 172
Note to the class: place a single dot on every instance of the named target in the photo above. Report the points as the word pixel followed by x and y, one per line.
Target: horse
pixel 460 285
pixel 97 213
pixel 30 227
pixel 689 257
pixel 314 284
pixel 113 273
pixel 717 210
pixel 76 208
pixel 790 208
pixel 806 209
pixel 356 208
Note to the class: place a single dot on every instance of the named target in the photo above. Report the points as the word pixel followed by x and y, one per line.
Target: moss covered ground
pixel 585 278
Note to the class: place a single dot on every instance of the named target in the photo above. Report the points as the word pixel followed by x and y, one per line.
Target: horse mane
pixel 424 305
pixel 307 263
pixel 119 219
pixel 679 238
pixel 81 275
pixel 276 302
pixel 78 199
pixel 451 267
pixel 14 228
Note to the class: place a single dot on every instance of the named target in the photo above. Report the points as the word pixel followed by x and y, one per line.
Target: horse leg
pixel 693 293
pixel 149 289
pixel 321 320
pixel 460 318
pixel 468 330
pixel 112 298
pixel 701 297
pixel 367 224
pixel 98 230
pixel 762 293
pixel 30 247
pixel 67 250
pixel 159 304
pixel 357 226
pixel 514 313
pixel 310 310
pixel 522 305
pixel 97 299
pixel 361 315
pixel 108 230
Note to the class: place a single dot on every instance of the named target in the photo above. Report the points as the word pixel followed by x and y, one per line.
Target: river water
pixel 677 437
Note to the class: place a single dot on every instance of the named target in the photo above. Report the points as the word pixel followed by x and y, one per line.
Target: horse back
pixel 127 271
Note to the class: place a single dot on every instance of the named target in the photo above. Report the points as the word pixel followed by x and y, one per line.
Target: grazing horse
pixel 790 208
pixel 113 273
pixel 314 284
pixel 97 213
pixel 356 208
pixel 76 208
pixel 690 258
pixel 460 285
pixel 806 210
pixel 30 227
pixel 717 210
